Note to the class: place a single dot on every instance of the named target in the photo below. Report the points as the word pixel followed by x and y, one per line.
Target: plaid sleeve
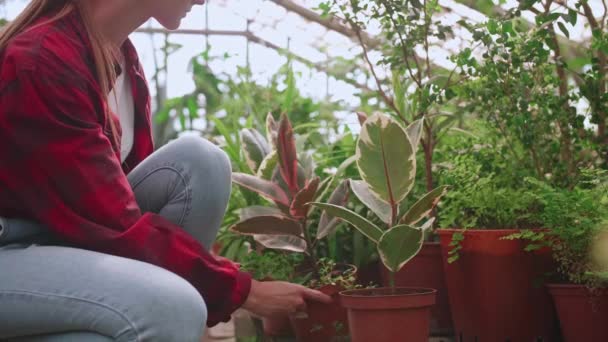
pixel 61 169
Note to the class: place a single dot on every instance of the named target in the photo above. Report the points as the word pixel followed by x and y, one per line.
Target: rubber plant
pixel 386 160
pixel 287 180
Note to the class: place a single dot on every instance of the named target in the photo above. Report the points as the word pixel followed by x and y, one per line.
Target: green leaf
pixel 399 245
pixel 563 28
pixel 424 206
pixel 299 205
pixel 360 223
pixel 288 158
pixel 282 242
pixel 414 132
pixel 345 164
pixel 268 225
pixel 327 222
pixel 263 187
pixel 364 194
pixel 386 159
pixel 572 17
pixel 268 165
pixel 290 91
pixel 254 147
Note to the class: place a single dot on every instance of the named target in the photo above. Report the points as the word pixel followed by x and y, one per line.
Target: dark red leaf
pixel 288 158
pixel 307 194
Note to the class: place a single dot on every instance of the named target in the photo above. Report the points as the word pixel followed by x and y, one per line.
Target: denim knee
pixel 199 154
pixel 175 311
pixel 197 150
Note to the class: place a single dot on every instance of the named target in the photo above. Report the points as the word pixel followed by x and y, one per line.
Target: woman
pixel 102 239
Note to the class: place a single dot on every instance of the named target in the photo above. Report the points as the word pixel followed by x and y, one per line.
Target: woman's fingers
pixel 317 296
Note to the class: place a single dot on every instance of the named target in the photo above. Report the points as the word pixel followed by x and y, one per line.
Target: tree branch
pixel 387 99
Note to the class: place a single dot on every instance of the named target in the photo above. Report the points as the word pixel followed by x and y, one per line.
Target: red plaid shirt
pixel 59 167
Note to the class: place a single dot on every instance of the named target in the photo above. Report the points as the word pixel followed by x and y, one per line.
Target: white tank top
pixel 122 104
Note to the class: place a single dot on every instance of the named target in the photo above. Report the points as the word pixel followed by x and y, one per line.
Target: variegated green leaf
pixel 263 187
pixel 424 206
pixel 366 227
pixel 324 187
pixel 268 165
pixel 386 159
pixel 282 242
pixel 414 132
pixel 380 208
pixel 255 148
pixel 328 223
pixel 362 117
pixel 268 225
pixel 399 245
pixel 272 130
pixel 428 225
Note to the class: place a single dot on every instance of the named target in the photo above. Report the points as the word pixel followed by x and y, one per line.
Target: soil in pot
pixel 322 322
pixel 583 313
pixel 496 289
pixel 389 315
pixel 426 270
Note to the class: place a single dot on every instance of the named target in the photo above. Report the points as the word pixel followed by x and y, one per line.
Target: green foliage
pixel 331 273
pixel 288 226
pixel 574 229
pixel 533 91
pixel 271 265
pixel 396 244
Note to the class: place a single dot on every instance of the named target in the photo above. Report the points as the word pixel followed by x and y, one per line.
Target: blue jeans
pixel 54 293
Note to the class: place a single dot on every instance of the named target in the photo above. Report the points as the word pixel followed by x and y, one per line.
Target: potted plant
pixel 387 165
pixel 495 285
pixel 580 292
pixel 288 180
pixel 426 268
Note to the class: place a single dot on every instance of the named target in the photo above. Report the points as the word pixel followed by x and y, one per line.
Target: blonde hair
pixel 103 53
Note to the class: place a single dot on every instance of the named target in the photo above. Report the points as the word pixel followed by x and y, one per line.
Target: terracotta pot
pixel 496 289
pixel 426 270
pixel 389 315
pixel 322 322
pixel 583 315
pixel 277 326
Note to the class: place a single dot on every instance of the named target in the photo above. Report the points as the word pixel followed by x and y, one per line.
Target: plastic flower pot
pixel 389 314
pixel 426 270
pixel 277 326
pixel 322 322
pixel 583 314
pixel 496 289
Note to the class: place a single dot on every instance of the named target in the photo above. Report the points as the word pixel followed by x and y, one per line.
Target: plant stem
pixel 391 280
pixel 311 250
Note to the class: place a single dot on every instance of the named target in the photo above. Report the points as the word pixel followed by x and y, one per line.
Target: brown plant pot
pixel 495 288
pixel 583 315
pixel 389 315
pixel 322 322
pixel 426 270
pixel 277 326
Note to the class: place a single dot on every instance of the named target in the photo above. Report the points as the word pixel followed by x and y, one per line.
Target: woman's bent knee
pixel 176 312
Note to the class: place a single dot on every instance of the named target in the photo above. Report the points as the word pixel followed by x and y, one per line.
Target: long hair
pixel 103 53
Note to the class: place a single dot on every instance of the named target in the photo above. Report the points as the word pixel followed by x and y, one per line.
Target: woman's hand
pixel 273 298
